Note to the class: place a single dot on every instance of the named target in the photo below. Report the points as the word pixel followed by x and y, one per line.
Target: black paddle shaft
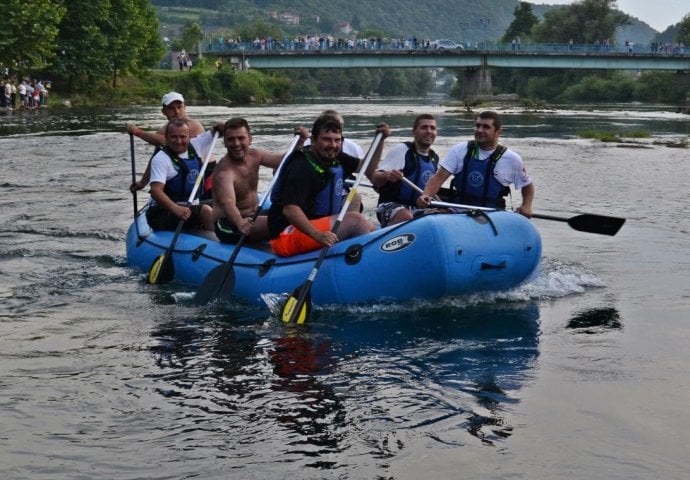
pixel 134 174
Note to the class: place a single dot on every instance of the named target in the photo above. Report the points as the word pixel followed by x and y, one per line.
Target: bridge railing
pixel 273 47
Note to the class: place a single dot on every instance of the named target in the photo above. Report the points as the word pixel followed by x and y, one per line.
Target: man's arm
pixel 432 187
pixel 527 198
pixel 196 128
pixel 269 159
pixel 299 220
pixel 165 202
pixel 154 138
pixel 390 168
pixel 383 129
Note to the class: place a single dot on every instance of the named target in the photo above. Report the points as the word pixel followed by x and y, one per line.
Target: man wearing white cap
pixel 172 107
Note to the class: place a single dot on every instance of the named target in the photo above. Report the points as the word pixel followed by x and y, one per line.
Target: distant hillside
pixel 459 20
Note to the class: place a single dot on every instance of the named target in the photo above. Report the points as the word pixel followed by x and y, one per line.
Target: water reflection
pixel 350 384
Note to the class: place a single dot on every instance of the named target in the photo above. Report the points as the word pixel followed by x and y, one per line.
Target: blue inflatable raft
pixel 430 257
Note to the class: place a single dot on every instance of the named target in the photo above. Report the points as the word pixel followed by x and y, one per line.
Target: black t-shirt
pixel 300 183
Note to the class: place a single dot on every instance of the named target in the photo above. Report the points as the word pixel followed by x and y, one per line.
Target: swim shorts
pixel 227 232
pixel 387 210
pixel 292 241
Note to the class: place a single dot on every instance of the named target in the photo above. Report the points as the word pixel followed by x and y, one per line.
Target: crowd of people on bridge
pixel 328 42
pixel 668 48
pixel 318 42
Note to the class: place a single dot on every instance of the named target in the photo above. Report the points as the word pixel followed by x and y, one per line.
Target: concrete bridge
pixel 475 63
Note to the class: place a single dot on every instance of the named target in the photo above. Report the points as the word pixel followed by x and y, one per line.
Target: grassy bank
pixel 202 85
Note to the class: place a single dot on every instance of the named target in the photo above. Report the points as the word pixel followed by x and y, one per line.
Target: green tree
pixel 523 22
pixel 101 39
pixel 81 43
pixel 683 34
pixel 616 86
pixel 132 37
pixel 190 38
pixel 28 29
pixel 585 21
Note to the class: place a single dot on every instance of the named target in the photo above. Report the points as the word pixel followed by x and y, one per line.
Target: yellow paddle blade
pixel 288 309
pixel 302 314
pixel 294 309
pixel 160 271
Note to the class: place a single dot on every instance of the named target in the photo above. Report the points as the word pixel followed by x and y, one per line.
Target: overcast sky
pixel 658 14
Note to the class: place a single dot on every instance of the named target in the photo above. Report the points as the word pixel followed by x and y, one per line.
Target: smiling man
pixel 174 171
pixel 483 170
pixel 235 184
pixel 413 160
pixel 309 193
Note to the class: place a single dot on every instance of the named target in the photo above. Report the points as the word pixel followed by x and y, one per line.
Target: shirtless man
pixel 235 184
pixel 172 107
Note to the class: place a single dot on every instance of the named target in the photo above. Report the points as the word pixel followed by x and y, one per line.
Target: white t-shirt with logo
pixel 510 169
pixel 162 168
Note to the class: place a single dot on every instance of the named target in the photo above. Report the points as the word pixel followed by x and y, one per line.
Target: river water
pixel 581 374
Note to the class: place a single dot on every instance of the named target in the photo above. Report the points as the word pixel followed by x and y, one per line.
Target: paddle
pixel 163 269
pixel 589 222
pixel 134 173
pixel 586 222
pixel 220 281
pixel 298 305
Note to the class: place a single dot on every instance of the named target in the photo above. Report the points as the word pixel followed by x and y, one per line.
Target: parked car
pixel 447 45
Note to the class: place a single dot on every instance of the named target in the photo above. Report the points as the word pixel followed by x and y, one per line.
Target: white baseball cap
pixel 171 97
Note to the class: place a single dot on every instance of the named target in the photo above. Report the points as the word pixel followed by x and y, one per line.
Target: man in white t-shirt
pixel 174 172
pixel 483 170
pixel 414 160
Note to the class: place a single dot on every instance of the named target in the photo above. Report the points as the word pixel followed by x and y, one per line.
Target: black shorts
pixel 160 218
pixel 227 232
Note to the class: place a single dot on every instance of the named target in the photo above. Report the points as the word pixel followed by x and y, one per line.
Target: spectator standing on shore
pixel 22 93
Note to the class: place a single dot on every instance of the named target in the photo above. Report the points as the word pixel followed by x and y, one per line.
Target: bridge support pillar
pixel 476 82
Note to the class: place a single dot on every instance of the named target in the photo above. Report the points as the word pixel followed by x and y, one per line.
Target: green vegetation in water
pixel 682 143
pixel 613 136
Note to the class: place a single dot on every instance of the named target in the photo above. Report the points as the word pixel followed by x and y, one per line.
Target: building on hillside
pixel 345 28
pixel 286 18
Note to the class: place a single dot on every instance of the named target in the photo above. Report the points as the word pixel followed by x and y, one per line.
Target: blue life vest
pixel 179 187
pixel 476 184
pixel 329 200
pixel 418 169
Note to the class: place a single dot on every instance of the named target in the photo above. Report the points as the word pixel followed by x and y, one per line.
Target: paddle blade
pixel 297 308
pixel 600 224
pixel 162 270
pixel 219 283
